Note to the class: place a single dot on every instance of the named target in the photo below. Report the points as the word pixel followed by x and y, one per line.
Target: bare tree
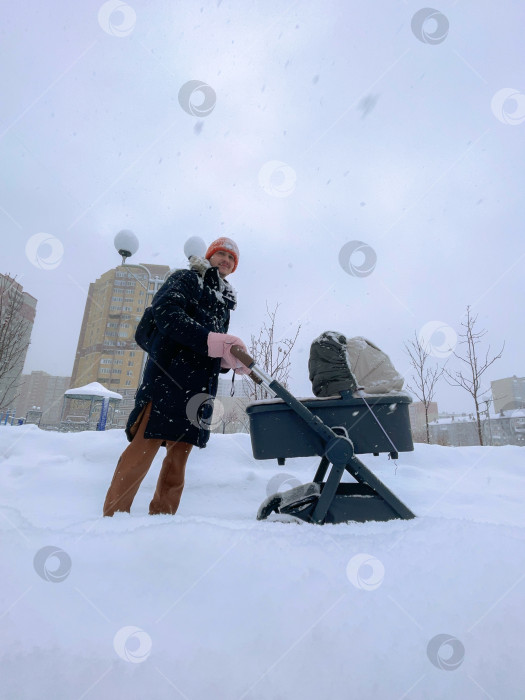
pixel 14 339
pixel 271 354
pixel 470 379
pixel 231 420
pixel 425 378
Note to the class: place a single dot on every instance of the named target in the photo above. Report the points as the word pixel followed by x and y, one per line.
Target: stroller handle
pixel 249 362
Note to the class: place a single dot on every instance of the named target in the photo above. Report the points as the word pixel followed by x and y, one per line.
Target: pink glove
pixel 220 344
pixel 242 369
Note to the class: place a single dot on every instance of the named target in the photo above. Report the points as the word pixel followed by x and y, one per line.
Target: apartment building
pixel 17 315
pixel 508 394
pixel 42 391
pixel 106 350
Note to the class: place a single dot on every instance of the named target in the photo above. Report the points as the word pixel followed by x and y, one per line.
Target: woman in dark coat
pixel 174 402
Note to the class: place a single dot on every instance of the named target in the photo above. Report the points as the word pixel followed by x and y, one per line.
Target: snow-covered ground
pixel 213 604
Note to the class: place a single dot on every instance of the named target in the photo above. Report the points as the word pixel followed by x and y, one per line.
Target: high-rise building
pixel 43 392
pixel 17 315
pixel 106 351
pixel 508 394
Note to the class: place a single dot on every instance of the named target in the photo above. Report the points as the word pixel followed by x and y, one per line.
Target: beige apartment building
pixel 416 412
pixel 508 394
pixel 106 351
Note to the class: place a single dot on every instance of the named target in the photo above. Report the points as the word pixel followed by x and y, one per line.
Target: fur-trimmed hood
pixel 201 266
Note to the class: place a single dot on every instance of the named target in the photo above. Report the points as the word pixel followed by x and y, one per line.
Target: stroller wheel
pixel 270 505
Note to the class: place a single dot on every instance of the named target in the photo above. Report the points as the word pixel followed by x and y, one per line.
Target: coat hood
pixel 225 289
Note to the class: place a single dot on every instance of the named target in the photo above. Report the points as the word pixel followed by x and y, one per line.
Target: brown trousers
pixel 133 466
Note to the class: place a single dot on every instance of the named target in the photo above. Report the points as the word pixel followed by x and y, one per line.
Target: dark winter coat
pixel 179 378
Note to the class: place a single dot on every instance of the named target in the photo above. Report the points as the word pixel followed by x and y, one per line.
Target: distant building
pixel 508 394
pixel 17 315
pixel 456 430
pixel 460 430
pixel 416 412
pixel 106 350
pixel 42 392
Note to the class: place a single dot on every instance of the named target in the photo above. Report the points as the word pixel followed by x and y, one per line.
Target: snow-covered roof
pixel 456 419
pixel 94 389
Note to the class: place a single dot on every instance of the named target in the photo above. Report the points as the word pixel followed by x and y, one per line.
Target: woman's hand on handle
pixel 220 345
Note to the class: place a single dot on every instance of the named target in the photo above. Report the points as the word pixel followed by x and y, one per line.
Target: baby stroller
pixel 336 429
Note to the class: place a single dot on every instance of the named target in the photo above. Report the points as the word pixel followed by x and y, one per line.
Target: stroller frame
pixel 329 501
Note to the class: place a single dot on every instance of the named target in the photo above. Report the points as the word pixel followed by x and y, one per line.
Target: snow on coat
pixel 179 378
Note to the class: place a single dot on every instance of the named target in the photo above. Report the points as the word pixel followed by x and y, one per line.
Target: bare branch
pixel 270 354
pixel 424 378
pixel 475 367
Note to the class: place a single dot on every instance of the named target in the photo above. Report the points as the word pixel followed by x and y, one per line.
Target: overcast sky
pixel 320 124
